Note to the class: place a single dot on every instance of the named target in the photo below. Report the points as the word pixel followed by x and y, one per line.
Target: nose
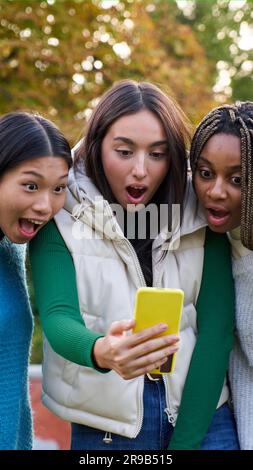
pixel 139 169
pixel 217 189
pixel 43 204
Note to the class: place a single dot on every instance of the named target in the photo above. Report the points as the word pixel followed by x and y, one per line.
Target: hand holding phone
pixel 155 306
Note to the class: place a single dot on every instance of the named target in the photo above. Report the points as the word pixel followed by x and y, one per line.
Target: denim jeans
pixel 156 430
pixel 222 433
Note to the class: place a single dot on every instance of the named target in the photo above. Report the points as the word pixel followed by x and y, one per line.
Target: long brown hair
pixel 129 97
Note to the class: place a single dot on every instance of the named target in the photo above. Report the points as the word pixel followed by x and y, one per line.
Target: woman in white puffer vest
pixel 88 265
pixel 222 165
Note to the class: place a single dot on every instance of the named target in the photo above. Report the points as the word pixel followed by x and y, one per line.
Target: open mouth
pixel 218 213
pixel 29 227
pixel 217 216
pixel 136 193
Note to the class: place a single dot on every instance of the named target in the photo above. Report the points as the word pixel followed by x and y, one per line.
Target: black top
pixel 143 246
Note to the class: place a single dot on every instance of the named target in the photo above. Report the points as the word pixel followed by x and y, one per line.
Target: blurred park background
pixel 58 56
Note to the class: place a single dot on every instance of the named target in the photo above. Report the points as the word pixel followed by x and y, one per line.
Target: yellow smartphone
pixel 152 306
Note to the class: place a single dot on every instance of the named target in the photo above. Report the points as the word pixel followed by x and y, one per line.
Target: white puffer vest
pixel 108 274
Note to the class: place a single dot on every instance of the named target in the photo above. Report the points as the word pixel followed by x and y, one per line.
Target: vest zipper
pixel 108 438
pixel 171 416
pixel 136 263
pixel 141 412
pixel 142 283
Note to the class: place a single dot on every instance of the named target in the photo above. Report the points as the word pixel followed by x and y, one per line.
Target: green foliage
pixel 243 88
pixel 225 30
pixel 37 342
pixel 56 57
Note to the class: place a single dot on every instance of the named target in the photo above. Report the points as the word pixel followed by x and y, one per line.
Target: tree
pixel 57 57
pixel 225 30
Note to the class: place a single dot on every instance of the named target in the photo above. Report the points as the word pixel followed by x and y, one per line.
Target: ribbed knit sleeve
pixel 243 276
pixel 56 297
pixel 241 363
pixel 209 363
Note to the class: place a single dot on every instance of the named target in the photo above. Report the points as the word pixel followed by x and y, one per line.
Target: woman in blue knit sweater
pixel 34 163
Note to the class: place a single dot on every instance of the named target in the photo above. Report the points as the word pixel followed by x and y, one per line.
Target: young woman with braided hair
pixel 235 121
pixel 221 159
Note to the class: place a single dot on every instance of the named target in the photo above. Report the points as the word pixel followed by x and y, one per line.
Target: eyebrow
pixel 232 168
pixel 131 142
pixel 38 175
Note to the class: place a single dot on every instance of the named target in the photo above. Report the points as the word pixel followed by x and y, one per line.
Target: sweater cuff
pixel 92 363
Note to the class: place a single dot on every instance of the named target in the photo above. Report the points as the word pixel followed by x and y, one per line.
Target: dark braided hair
pixel 235 119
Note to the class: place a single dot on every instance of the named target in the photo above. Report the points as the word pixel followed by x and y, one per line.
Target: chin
pixel 216 229
pixel 16 239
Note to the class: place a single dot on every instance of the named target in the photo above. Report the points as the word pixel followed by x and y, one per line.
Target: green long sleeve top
pixel 54 280
pixel 209 363
pixel 57 300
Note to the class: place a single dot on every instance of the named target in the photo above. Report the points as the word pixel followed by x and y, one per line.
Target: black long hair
pixel 25 136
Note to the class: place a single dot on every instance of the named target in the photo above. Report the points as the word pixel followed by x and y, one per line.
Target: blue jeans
pixel 156 430
pixel 222 433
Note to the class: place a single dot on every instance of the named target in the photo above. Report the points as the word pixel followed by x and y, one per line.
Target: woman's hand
pixel 136 354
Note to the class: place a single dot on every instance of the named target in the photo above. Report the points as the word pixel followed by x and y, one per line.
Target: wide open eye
pixel 205 173
pixel 31 187
pixel 237 180
pixel 60 189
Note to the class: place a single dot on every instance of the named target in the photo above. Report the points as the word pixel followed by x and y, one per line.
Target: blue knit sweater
pixel 15 339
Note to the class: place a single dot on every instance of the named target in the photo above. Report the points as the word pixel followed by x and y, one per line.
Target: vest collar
pixel 85 203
